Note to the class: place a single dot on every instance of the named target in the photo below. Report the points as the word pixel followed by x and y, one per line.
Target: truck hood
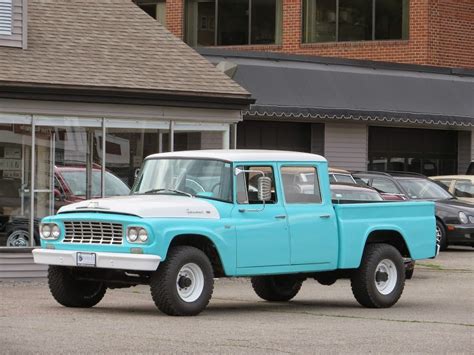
pixel 148 206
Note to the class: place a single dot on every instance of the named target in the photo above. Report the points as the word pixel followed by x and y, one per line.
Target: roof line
pixel 125 96
pixel 275 56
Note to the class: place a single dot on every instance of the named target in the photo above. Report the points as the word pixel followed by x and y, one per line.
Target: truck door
pixel 311 217
pixel 262 230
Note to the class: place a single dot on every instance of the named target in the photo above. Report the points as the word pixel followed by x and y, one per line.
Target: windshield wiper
pixel 154 191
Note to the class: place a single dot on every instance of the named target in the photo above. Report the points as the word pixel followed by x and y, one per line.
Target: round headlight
pixel 143 235
pixel 463 218
pixel 132 234
pixel 55 231
pixel 45 231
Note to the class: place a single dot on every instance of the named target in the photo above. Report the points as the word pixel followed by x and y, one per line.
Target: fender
pixel 350 254
pixel 223 238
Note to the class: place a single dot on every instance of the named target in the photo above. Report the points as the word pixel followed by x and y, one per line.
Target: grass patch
pixel 431 266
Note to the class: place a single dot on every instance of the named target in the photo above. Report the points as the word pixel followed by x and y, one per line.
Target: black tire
pixel 70 292
pixel 280 288
pixel 443 239
pixel 164 282
pixel 364 280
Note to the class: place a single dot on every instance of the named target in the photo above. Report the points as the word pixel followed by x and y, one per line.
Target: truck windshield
pixel 196 177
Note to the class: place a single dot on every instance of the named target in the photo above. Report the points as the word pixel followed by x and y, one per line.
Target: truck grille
pixel 86 232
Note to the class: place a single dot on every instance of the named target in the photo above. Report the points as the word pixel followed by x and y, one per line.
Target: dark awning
pixel 288 87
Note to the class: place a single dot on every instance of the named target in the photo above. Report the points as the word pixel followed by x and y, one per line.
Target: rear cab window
pixel 300 184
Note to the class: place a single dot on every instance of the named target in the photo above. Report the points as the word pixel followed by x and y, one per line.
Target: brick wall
pixel 451 33
pixel 441 32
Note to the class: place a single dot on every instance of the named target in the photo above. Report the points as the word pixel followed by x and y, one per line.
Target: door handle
pixel 280 216
pixel 325 216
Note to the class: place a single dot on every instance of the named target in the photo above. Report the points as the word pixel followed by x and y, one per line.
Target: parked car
pixel 340 175
pixel 352 193
pixel 192 216
pixel 461 186
pixel 69 187
pixel 454 218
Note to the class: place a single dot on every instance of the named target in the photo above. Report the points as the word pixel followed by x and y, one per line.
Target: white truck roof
pixel 232 155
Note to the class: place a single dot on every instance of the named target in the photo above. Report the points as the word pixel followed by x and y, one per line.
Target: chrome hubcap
pixel 19 238
pixel 190 282
pixel 385 276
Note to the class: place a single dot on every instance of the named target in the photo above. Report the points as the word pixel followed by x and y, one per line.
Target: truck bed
pixel 413 221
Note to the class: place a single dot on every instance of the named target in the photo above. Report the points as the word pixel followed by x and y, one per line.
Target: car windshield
pixel 193 177
pixel 354 195
pixel 423 189
pixel 76 181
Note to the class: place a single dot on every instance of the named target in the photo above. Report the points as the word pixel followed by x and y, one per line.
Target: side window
pixel 385 185
pixel 464 188
pixel 247 184
pixel 300 184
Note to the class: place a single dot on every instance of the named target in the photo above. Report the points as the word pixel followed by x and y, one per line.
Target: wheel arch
pixel 389 236
pixel 203 243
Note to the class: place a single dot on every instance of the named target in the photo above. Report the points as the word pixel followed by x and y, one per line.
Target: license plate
pixel 85 259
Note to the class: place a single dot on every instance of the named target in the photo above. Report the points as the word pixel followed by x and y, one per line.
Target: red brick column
pixel 292 23
pixel 175 17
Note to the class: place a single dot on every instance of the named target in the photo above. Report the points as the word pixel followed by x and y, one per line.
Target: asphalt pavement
pixel 434 315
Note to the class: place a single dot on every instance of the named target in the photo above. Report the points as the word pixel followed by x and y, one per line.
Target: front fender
pixel 223 238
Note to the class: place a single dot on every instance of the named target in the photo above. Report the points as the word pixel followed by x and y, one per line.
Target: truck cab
pixel 192 216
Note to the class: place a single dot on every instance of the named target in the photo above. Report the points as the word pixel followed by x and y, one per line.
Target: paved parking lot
pixel 434 315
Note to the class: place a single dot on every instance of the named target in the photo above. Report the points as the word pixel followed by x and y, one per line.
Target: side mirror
pixel 264 188
pixel 136 173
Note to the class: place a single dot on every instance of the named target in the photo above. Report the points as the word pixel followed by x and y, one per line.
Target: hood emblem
pixel 93 204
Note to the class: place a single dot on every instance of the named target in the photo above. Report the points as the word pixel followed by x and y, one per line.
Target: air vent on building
pixel 5 17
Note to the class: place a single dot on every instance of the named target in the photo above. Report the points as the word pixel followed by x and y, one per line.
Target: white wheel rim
pixel 190 273
pixel 385 276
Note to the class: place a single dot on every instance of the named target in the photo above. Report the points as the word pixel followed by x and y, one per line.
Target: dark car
pixel 454 218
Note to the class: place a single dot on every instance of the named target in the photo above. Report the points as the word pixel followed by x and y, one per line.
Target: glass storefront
pixel 426 151
pixel 70 164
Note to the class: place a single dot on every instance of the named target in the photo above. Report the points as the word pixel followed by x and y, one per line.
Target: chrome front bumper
pixel 141 262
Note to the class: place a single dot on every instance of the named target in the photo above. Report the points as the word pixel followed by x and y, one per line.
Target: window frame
pixel 301 165
pixel 373 22
pixel 277 40
pixel 254 166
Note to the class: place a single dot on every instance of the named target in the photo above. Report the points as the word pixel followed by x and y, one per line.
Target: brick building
pixel 426 32
pixel 378 84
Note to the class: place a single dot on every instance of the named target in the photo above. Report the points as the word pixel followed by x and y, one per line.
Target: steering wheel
pixel 196 184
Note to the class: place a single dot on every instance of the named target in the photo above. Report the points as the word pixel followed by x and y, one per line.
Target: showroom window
pixel 354 20
pixel 232 22
pixel 154 8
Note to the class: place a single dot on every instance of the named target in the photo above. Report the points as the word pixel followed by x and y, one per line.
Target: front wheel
pixel 441 238
pixel 278 288
pixel 70 292
pixel 183 284
pixel 379 281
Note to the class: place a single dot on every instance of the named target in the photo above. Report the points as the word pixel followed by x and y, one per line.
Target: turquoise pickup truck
pixel 196 215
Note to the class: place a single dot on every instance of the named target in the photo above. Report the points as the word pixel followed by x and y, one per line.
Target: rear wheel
pixel 183 284
pixel 70 292
pixel 379 281
pixel 278 288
